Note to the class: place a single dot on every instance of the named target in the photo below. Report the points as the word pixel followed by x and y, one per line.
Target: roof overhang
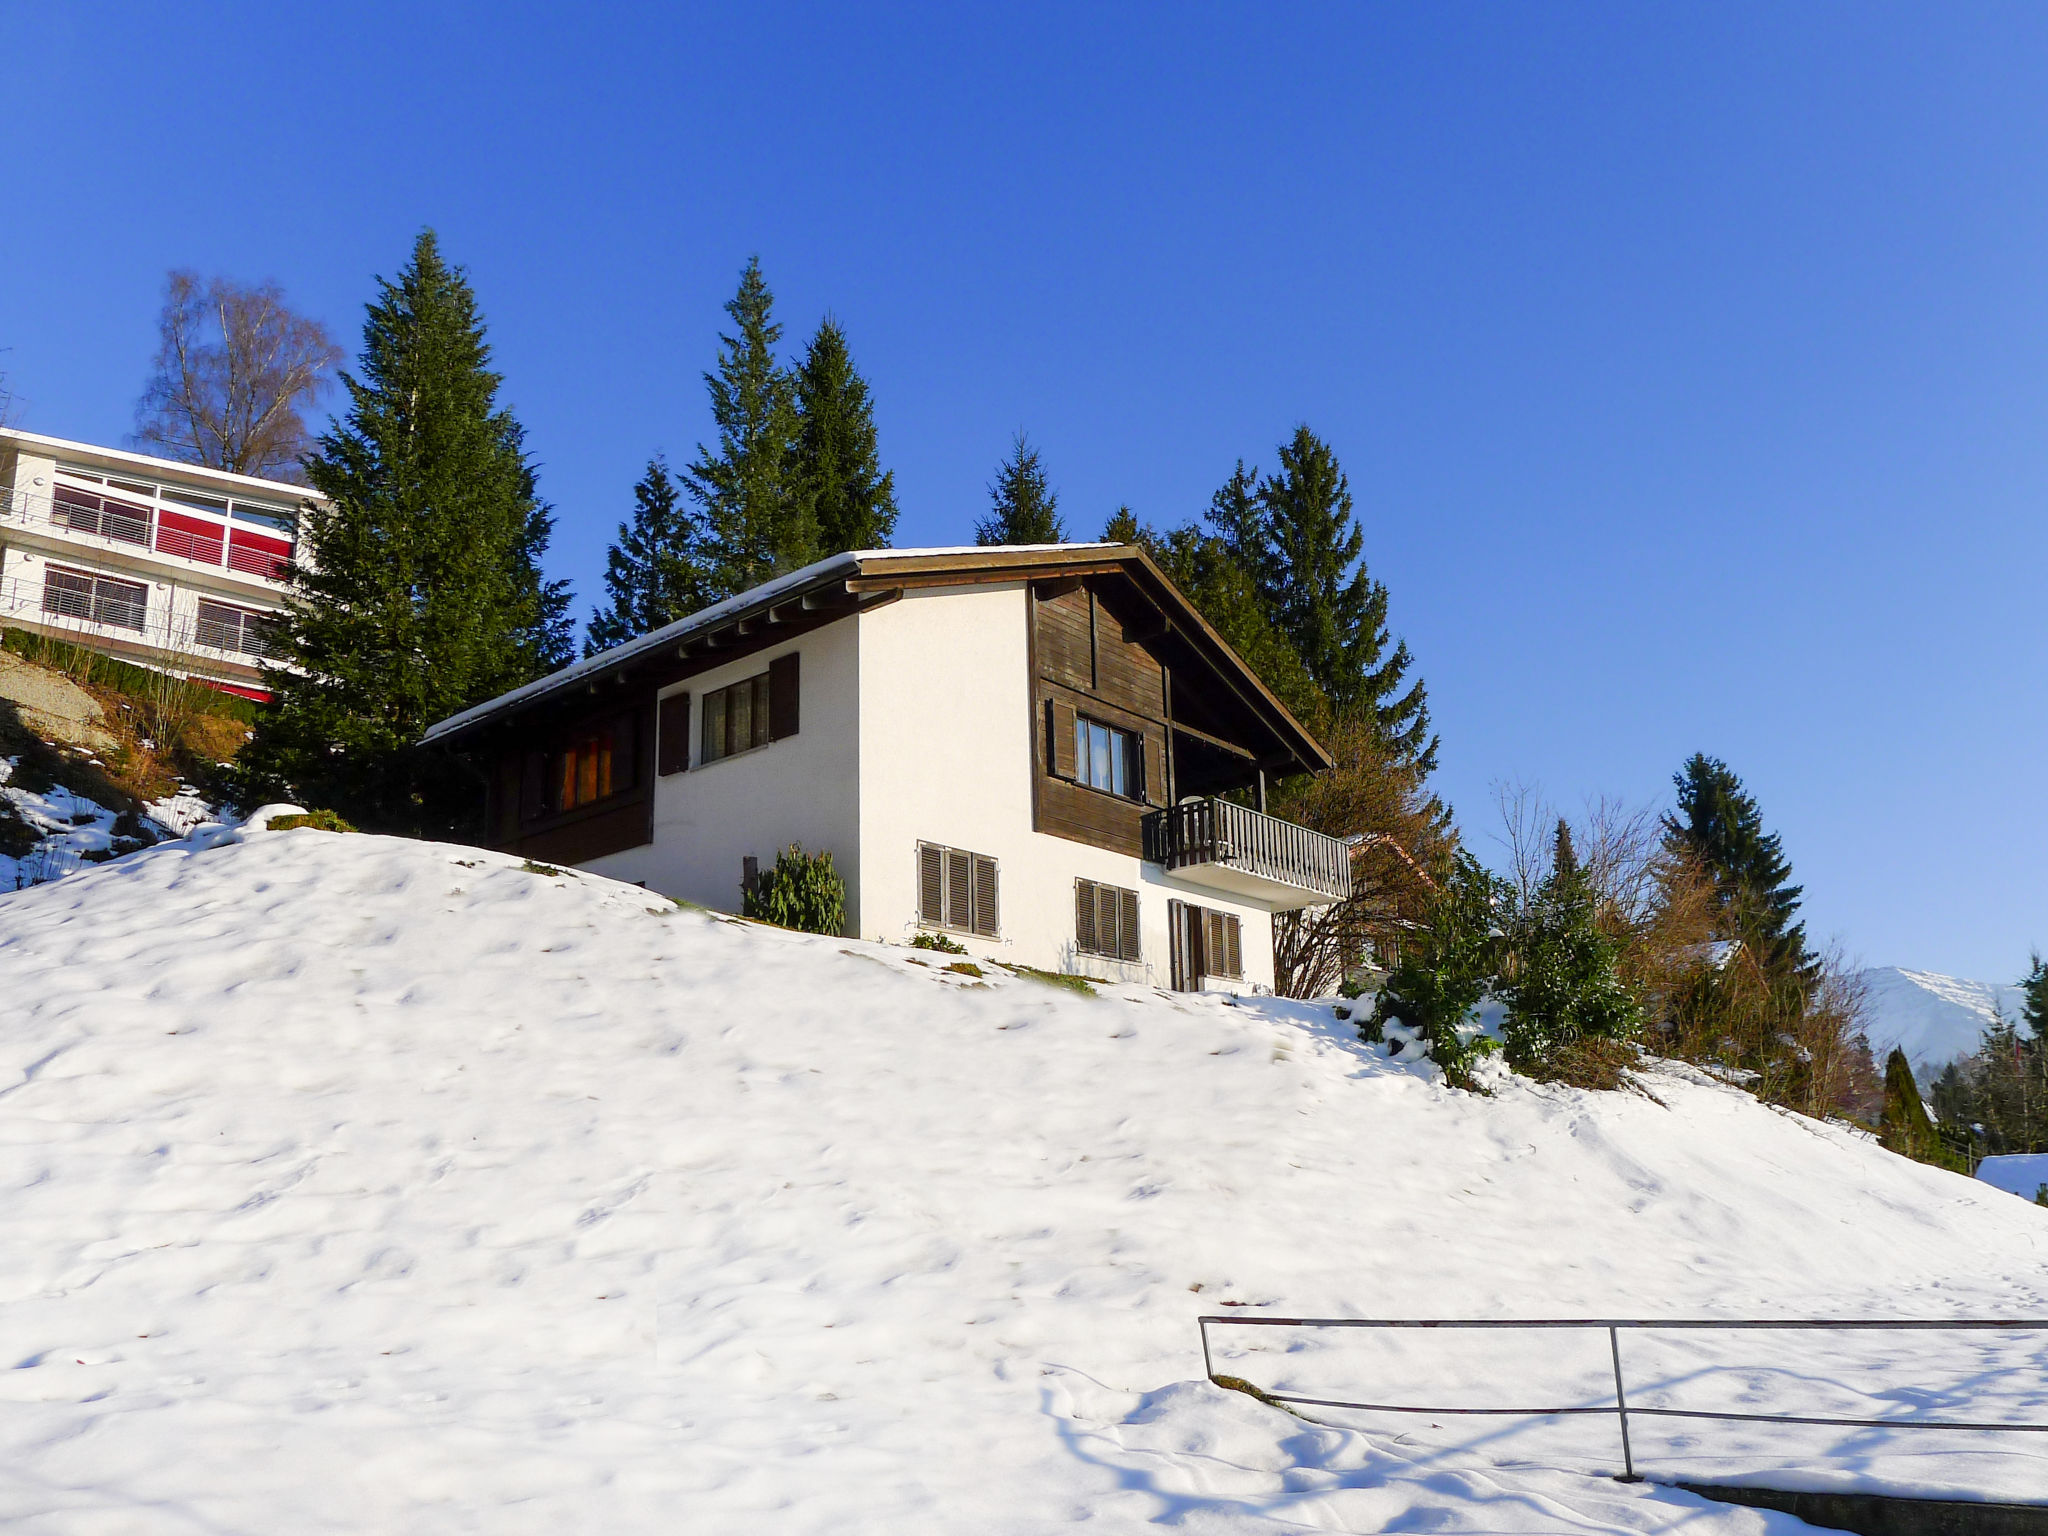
pixel 846 584
pixel 96 456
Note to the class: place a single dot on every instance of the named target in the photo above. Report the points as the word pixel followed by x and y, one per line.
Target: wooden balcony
pixel 1230 847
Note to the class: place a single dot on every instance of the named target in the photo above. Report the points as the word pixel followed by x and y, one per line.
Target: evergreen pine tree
pixel 2034 1000
pixel 1906 1127
pixel 1022 506
pixel 1123 527
pixel 1719 824
pixel 852 499
pixel 424 593
pixel 1564 859
pixel 1239 525
pixel 1560 984
pixel 758 521
pixel 655 572
pixel 1330 609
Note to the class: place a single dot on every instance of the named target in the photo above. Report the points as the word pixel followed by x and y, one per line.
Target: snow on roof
pixel 847 563
pixel 2018 1173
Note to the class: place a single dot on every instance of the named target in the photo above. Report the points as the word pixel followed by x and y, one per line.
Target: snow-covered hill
pixel 358 1185
pixel 1936 1018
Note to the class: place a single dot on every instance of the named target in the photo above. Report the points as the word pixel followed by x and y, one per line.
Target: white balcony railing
pixel 112 522
pixel 92 616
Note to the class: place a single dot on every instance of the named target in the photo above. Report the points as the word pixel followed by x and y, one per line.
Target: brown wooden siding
pixel 612 825
pixel 1092 660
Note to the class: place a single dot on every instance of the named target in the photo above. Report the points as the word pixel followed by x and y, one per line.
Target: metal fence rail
pixel 1620 1407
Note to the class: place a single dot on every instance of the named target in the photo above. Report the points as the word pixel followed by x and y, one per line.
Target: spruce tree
pixel 1564 858
pixel 1123 527
pixel 424 593
pixel 851 497
pixel 1022 506
pixel 758 522
pixel 2034 1000
pixel 655 571
pixel 1719 825
pixel 1325 602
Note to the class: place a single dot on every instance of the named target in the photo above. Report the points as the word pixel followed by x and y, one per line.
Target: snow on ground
pixel 1937 1019
pixel 74 830
pixel 353 1184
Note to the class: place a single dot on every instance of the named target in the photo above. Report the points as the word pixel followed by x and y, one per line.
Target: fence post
pixel 1628 1461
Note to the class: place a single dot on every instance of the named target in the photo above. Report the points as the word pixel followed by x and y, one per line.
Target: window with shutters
pixel 591 764
pixel 750 713
pixel 956 889
pixel 1105 920
pixel 1109 759
pixel 1222 944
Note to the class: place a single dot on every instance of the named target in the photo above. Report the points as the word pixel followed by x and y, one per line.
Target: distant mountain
pixel 1935 1018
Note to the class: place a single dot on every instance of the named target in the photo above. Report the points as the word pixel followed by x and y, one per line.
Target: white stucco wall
pixel 804 789
pixel 945 757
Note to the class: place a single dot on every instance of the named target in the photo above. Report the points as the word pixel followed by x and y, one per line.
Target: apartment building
pixel 153 561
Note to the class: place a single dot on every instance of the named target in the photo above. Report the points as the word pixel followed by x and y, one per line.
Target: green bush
pixel 317 821
pixel 939 942
pixel 1444 970
pixel 802 892
pixel 1558 979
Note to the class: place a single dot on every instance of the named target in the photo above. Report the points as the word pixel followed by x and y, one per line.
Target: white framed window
pixel 1109 759
pixel 100 599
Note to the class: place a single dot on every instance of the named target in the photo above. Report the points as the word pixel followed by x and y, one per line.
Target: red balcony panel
pixel 189 538
pixel 255 555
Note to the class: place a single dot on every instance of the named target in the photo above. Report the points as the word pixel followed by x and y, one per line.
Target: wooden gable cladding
pixel 1091 659
pixel 517 815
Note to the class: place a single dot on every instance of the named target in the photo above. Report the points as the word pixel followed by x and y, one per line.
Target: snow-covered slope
pixel 356 1185
pixel 1936 1018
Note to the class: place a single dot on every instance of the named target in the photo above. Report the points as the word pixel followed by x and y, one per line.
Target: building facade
pixel 165 564
pixel 1045 754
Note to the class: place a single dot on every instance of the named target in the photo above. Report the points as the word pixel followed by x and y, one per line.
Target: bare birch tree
pixel 233 370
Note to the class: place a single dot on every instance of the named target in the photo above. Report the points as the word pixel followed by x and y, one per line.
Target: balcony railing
pixel 86 612
pixel 1231 846
pixel 181 533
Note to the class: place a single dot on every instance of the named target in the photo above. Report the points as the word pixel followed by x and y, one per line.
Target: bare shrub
pixel 1400 846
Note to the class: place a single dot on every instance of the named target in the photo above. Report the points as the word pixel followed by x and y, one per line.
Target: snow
pixel 355 1184
pixel 2019 1173
pixel 1936 1019
pixel 71 826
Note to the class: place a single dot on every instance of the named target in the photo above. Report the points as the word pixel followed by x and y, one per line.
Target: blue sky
pixel 1687 362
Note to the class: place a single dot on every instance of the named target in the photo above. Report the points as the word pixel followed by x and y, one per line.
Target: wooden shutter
pixel 1177 945
pixel 1152 771
pixel 672 734
pixel 782 692
pixel 1212 943
pixel 1084 916
pixel 959 889
pixel 931 884
pixel 1059 748
pixel 1127 924
pixel 625 765
pixel 1235 933
pixel 984 896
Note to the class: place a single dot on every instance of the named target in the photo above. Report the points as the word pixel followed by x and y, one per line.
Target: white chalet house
pixel 170 565
pixel 1026 748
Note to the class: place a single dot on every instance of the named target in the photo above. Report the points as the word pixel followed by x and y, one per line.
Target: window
pixel 101 599
pixel 592 764
pixel 1109 759
pixel 956 889
pixel 1204 942
pixel 1222 947
pixel 736 719
pixel 233 629
pixel 752 713
pixel 1105 920
pixel 89 512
